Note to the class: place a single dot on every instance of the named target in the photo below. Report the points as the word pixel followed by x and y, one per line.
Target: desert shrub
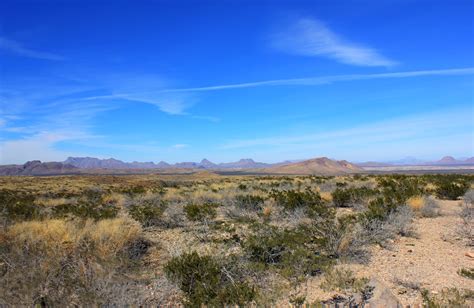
pixel 343 280
pixel 204 283
pixel 58 262
pixel 451 190
pixel 430 208
pixel 308 201
pixel 147 210
pixel 341 197
pixel 466 228
pixel 399 188
pixel 467 272
pixel 349 196
pixel 17 206
pixel 90 205
pixel 249 202
pixel 200 212
pixel 450 297
pixel 335 235
pixel 379 209
pixel 424 206
pixel 242 187
pixel 86 209
pixel 400 221
pixel 293 199
pixel 370 230
pixel 292 252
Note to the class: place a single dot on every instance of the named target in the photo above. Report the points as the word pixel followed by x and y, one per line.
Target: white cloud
pixel 180 146
pixel 429 129
pixel 174 105
pixel 16 48
pixel 309 37
pixel 37 147
pixel 322 80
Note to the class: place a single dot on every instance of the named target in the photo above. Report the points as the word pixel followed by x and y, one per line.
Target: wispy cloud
pixel 38 146
pixel 310 37
pixel 180 146
pixel 321 80
pixel 439 123
pixel 18 49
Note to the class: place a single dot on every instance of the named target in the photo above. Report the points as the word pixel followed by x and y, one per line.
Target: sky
pixel 270 80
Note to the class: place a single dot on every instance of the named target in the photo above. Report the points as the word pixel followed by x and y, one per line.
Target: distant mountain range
pixel 411 161
pixel 111 163
pixel 322 165
pixel 36 167
pixel 74 165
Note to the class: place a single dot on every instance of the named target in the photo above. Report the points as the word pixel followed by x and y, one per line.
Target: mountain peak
pixel 447 159
pixel 207 163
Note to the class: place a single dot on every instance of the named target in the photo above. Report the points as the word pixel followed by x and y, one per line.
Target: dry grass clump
pixel 327 196
pixel 343 280
pixel 424 206
pixel 466 228
pixel 416 203
pixel 57 262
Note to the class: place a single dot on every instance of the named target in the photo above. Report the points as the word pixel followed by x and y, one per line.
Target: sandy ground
pixel 429 261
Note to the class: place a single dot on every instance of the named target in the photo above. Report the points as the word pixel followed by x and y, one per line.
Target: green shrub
pixel 89 205
pixel 292 252
pixel 397 189
pixel 242 187
pixel 349 196
pixel 379 209
pixel 200 212
pixel 467 272
pixel 249 202
pixel 451 190
pixel 18 206
pixel 307 200
pixel 203 282
pixel 450 297
pixel 148 211
pixel 341 197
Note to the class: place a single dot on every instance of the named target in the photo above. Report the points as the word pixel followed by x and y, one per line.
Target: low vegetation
pixel 209 241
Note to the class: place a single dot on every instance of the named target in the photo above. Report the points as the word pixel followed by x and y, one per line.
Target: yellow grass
pixel 416 203
pixel 326 195
pixel 114 198
pixel 51 202
pixel 57 236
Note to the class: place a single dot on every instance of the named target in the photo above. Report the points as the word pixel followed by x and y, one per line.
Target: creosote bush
pixel 17 206
pixel 346 197
pixel 293 253
pixel 451 190
pixel 293 199
pixel 467 272
pixel 249 202
pixel 201 212
pixel 147 210
pixel 449 297
pixel 89 205
pixel 204 282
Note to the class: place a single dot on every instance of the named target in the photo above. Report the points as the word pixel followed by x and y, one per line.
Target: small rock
pixel 382 296
pixel 410 250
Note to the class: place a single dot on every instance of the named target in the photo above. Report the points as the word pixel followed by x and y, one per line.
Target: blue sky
pixel 269 80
